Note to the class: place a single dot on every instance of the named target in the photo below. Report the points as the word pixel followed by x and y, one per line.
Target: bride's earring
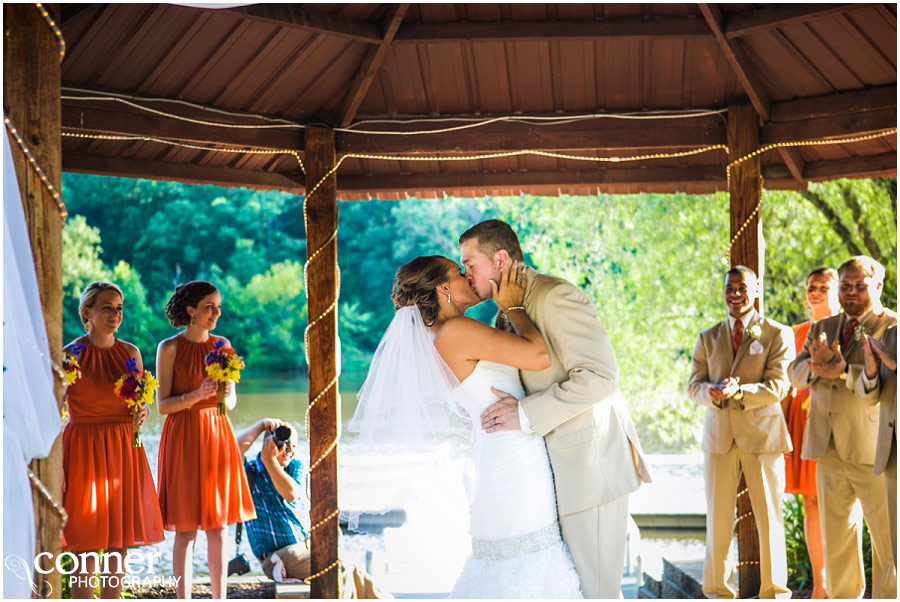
pixel 448 296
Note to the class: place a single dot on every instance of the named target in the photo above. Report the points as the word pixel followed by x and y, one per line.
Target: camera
pixel 281 435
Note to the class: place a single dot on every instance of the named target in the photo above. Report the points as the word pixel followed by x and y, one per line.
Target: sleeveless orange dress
pixel 800 474
pixel 202 484
pixel 108 489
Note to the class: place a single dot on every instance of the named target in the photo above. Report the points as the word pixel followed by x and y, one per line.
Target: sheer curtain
pixel 31 420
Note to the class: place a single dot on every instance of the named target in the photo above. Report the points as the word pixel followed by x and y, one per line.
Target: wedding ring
pixel 494 422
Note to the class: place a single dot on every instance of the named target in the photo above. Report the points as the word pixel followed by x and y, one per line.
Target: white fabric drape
pixel 31 420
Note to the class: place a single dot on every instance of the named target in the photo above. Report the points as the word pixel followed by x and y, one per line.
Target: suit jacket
pixel 755 423
pixel 835 409
pixel 575 404
pixel 885 395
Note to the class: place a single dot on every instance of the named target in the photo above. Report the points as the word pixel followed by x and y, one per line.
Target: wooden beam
pixel 286 15
pixel 870 166
pixel 115 119
pixel 187 173
pixel 370 66
pixel 609 134
pixel 31 81
pixel 322 351
pixel 678 177
pixel 830 127
pixel 881 97
pixel 779 15
pixel 738 60
pixel 637 29
pixel 745 192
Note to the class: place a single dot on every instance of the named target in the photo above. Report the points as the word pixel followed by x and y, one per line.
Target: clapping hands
pixel 725 389
pixel 874 351
pixel 826 361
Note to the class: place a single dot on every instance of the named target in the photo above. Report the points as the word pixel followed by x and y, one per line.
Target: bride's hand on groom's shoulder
pixel 503 415
pixel 510 291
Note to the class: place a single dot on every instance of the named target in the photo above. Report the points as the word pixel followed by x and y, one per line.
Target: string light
pixel 308 580
pixel 61 207
pixel 60 41
pixel 220 149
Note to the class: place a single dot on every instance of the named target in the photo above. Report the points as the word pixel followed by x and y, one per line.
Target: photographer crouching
pixel 277 535
pixel 282 517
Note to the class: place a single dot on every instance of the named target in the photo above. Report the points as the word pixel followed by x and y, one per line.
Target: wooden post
pixel 743 138
pixel 323 369
pixel 31 85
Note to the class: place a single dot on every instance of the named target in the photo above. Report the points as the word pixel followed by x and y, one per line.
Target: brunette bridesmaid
pixel 108 490
pixel 800 475
pixel 202 485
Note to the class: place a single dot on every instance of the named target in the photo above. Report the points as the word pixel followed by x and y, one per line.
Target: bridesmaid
pixel 202 485
pixel 108 488
pixel 800 475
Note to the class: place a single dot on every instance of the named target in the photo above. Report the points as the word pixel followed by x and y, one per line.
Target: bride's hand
pixel 511 289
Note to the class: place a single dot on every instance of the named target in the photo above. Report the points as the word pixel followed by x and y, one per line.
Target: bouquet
pixel 223 365
pixel 136 388
pixel 71 367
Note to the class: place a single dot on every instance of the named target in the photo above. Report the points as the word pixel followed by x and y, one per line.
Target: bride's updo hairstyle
pixel 415 284
pixel 186 295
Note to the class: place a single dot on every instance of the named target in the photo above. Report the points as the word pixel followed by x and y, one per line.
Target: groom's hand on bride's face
pixel 503 415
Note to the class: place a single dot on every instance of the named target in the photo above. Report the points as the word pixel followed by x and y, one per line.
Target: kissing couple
pixel 554 449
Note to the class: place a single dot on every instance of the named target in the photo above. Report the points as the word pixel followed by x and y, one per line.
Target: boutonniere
pixel 859 332
pixel 754 333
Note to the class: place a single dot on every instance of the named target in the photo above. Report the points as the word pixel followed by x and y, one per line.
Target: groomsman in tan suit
pixel 574 404
pixel 878 384
pixel 739 376
pixel 842 430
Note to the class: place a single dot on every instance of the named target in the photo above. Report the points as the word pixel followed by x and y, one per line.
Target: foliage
pixel 800 573
pixel 652 264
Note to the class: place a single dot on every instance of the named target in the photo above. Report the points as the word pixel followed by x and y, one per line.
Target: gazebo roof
pixel 812 71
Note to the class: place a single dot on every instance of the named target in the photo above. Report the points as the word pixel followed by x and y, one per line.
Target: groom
pixel 574 404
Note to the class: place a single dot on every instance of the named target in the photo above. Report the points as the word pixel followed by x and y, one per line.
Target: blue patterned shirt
pixel 278 522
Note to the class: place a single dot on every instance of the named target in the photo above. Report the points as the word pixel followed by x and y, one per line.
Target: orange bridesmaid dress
pixel 108 489
pixel 800 474
pixel 202 484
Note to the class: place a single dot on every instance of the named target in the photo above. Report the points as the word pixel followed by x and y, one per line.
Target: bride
pixel 433 362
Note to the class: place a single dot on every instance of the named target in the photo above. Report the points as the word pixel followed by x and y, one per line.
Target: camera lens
pixel 282 434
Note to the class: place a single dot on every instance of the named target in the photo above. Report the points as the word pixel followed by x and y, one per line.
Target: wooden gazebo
pixel 358 101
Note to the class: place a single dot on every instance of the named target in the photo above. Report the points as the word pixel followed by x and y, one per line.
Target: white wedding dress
pixel 517 550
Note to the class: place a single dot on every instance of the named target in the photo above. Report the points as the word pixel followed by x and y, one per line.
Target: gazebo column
pixel 322 278
pixel 31 85
pixel 747 249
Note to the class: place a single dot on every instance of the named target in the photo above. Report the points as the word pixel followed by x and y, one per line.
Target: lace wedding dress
pixel 517 550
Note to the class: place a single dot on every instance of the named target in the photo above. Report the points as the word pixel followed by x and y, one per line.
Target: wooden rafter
pixel 748 78
pixel 775 16
pixel 881 97
pixel 285 15
pixel 370 65
pixel 426 33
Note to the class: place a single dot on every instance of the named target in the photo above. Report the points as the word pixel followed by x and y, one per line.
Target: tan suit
pixel 884 393
pixel 748 435
pixel 594 450
pixel 840 435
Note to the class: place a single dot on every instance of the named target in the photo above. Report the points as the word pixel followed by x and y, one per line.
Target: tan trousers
pixel 354 583
pixel 839 484
pixel 596 538
pixel 764 474
pixel 890 488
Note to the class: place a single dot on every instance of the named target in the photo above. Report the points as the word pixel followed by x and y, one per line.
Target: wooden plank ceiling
pixel 171 86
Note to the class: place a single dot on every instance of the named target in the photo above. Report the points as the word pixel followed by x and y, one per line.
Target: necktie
pixel 847 335
pixel 737 336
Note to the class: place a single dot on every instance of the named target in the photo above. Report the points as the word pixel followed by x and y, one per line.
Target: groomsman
pixel 878 384
pixel 842 430
pixel 739 376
